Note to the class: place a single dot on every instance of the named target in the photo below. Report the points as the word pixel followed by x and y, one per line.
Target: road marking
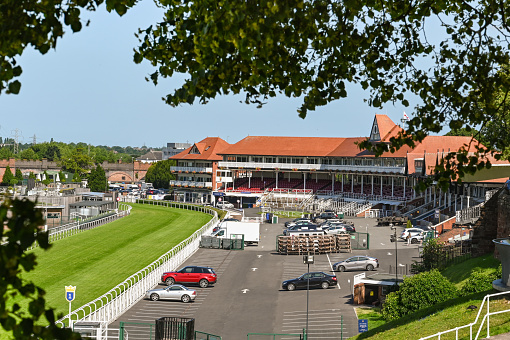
pixel 262 247
pixel 401 265
pixel 382 244
pixel 245 290
pixel 259 256
pixel 389 254
pixel 331 266
pixel 254 269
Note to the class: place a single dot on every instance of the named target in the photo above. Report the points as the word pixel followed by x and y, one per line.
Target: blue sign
pixel 362 325
pixel 70 293
pixel 218 194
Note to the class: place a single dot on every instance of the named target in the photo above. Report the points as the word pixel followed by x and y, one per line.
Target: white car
pixel 173 292
pixel 336 229
pixel 224 205
pixel 415 233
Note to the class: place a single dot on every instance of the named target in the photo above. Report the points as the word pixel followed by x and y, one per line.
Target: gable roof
pixel 206 149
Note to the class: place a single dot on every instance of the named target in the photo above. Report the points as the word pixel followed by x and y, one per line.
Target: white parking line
pixel 331 266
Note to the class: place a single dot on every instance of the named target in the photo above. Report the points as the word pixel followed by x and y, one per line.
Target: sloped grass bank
pixel 447 315
pixel 97 260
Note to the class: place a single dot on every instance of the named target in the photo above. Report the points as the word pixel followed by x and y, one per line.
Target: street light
pixel 393 238
pixel 307 259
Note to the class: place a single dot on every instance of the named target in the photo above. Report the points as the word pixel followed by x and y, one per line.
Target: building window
pixel 297 160
pixel 368 161
pixel 123 178
pixel 257 159
pixel 270 159
pixel 358 161
pixel 242 159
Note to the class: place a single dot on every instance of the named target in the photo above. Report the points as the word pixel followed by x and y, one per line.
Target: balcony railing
pixel 312 167
pixel 191 184
pixel 190 169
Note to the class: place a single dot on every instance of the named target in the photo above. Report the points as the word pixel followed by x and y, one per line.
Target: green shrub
pixel 420 291
pixel 480 281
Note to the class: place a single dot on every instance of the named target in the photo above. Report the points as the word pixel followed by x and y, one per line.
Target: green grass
pixel 458 274
pixel 444 316
pixel 97 260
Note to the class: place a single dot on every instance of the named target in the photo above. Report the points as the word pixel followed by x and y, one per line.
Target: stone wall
pixel 494 222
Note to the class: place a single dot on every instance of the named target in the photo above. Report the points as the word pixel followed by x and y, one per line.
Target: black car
pixel 316 279
pixel 304 226
pixel 350 228
pixel 325 216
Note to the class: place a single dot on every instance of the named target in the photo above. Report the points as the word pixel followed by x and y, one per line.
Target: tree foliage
pixel 417 292
pixel 445 55
pixel 8 176
pixel 39 24
pixel 97 180
pixel 22 222
pixel 159 174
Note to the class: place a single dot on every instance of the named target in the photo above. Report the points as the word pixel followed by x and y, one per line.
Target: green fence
pixel 276 336
pixel 360 241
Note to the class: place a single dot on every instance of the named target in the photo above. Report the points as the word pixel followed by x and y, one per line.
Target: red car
pixel 204 276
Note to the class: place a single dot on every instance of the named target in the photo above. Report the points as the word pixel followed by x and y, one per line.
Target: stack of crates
pixel 313 244
pixel 343 243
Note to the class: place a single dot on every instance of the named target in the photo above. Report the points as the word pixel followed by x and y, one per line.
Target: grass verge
pixel 444 316
pixel 97 260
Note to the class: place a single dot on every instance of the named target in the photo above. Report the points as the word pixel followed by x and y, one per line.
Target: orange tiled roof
pixel 387 128
pixel 284 146
pixel 208 148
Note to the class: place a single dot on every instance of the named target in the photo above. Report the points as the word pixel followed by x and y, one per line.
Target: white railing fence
pixel 485 321
pixel 120 298
pixel 66 230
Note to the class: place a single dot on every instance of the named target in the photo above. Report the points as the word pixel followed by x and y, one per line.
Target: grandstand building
pixel 258 169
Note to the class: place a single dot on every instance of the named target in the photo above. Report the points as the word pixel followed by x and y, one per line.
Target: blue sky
pixel 89 90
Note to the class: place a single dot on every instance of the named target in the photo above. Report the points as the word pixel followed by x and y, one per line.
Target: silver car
pixel 173 292
pixel 357 263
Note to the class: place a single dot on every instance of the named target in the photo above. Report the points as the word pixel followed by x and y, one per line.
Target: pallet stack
pixel 313 244
pixel 343 243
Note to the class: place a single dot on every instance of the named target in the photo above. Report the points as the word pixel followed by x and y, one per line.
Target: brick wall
pixel 494 222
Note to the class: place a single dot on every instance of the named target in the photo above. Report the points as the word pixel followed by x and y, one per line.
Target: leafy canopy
pixel 39 24
pixel 447 55
pixel 22 223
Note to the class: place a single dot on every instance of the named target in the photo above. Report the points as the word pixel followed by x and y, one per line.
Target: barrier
pixel 120 298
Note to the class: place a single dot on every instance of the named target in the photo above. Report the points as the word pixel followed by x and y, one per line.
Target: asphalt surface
pixel 248 297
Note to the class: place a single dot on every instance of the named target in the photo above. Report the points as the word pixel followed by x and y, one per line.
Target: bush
pixel 480 281
pixel 420 291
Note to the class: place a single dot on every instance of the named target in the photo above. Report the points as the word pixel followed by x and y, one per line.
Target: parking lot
pixel 248 297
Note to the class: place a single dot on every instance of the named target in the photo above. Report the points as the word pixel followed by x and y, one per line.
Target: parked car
pixel 412 231
pixel 336 228
pixel 173 292
pixel 224 205
pixel 203 276
pixel 317 280
pixel 301 226
pixel 294 221
pixel 350 228
pixel 357 263
pixel 325 216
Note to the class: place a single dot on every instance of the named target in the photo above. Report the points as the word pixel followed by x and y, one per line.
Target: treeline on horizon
pixel 59 151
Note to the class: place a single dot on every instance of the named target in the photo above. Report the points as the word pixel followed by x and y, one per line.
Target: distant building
pixel 173 149
pixel 151 157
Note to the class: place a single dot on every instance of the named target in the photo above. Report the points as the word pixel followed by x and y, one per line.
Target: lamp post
pixel 396 259
pixel 307 259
